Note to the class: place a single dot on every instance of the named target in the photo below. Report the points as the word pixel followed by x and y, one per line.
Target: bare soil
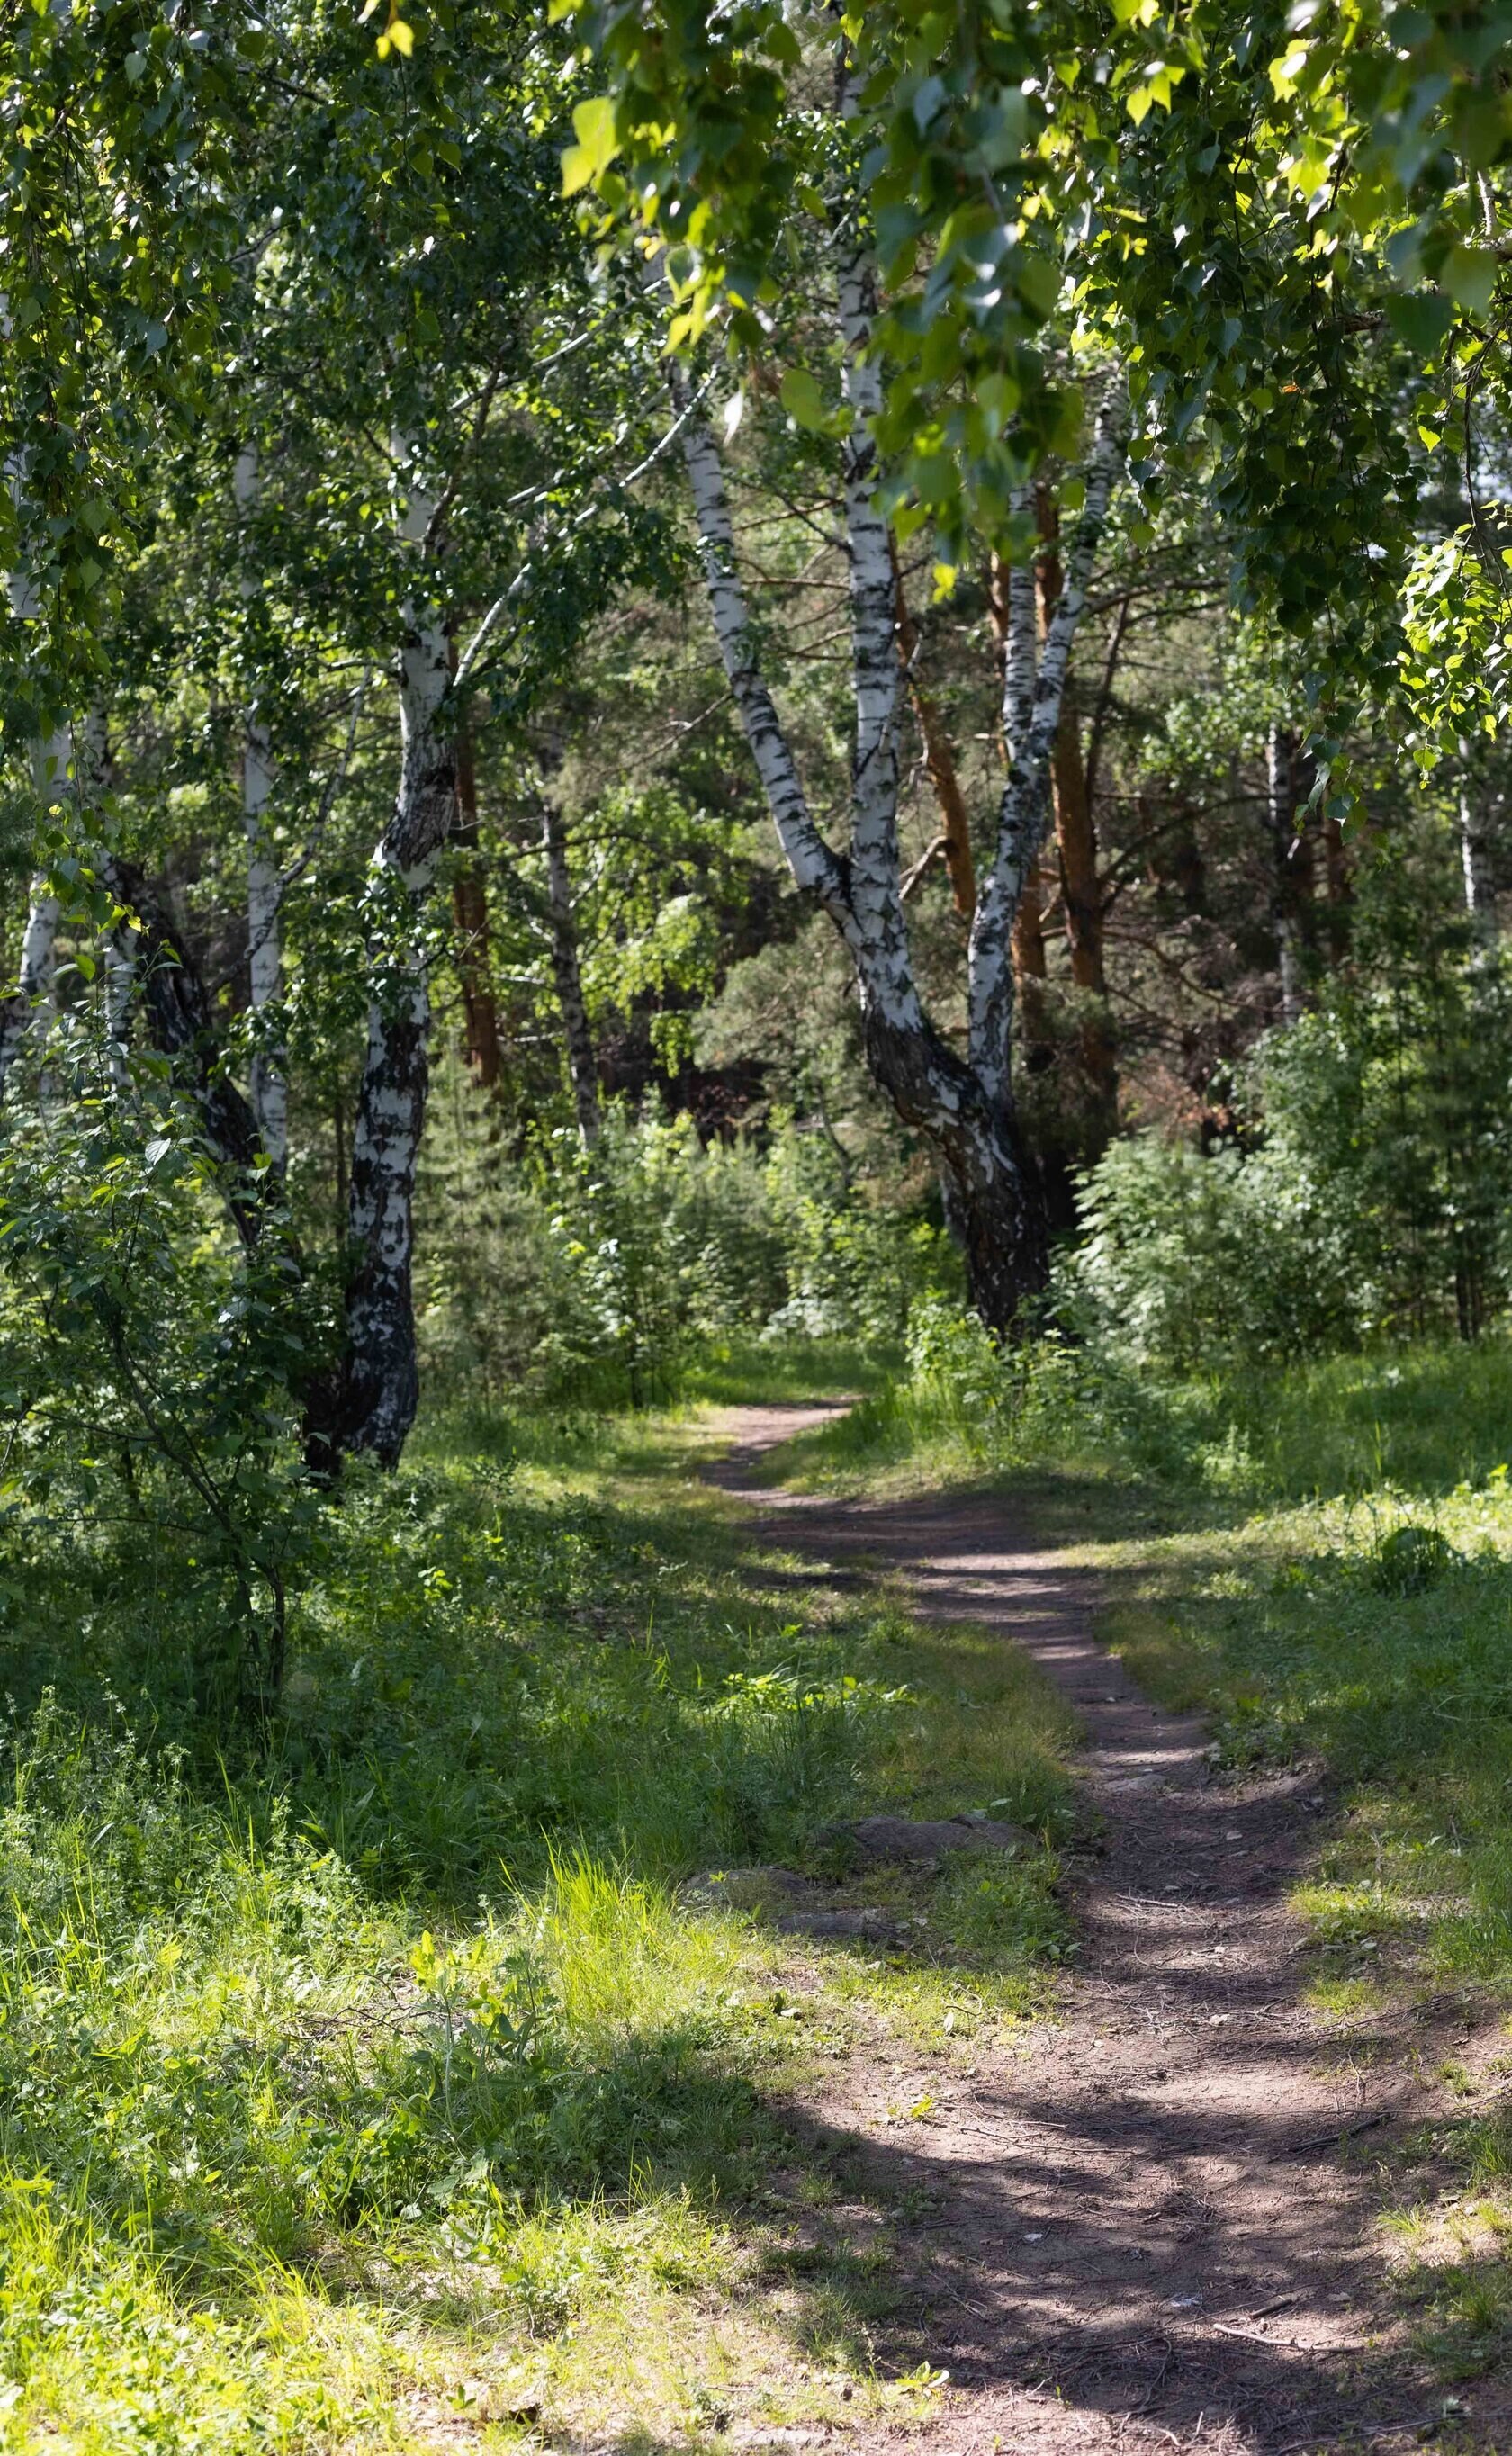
pixel 1156 2223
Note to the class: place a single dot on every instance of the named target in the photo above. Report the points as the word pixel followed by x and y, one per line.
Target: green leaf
pixel 597 145
pixel 1470 276
pixel 1421 317
pixel 803 400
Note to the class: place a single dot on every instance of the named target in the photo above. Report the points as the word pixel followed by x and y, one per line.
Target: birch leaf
pixel 597 145
pixel 802 401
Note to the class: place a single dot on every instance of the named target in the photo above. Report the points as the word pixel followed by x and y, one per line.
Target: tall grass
pixel 383 2079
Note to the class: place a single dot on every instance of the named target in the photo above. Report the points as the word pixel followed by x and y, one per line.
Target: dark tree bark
pixel 955 825
pixel 181 1025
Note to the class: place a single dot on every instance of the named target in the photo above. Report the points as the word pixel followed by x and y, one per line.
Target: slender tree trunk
pixel 470 913
pixel 119 952
pixel 1080 885
pixel 1031 955
pixel 1293 894
pixel 567 973
pixel 955 825
pixel 381 1380
pixel 32 1005
pixel 1338 890
pixel 1475 854
pixel 29 1011
pixel 269 1082
pixel 963 1107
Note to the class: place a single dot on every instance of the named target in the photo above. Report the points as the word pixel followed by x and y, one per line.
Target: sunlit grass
pixel 384 2087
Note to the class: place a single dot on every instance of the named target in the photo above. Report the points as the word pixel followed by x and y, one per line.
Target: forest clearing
pixel 755 1227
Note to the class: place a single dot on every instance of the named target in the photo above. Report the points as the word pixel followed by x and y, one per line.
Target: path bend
pixel 1152 2225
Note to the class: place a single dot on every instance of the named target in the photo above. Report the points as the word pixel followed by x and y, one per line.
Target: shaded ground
pixel 1156 2225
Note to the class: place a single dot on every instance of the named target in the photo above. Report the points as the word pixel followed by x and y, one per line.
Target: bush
pixel 1189 1261
pixel 1369 1188
pixel 603 1276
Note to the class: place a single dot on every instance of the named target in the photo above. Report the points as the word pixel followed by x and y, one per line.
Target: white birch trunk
pixel 120 953
pixel 883 966
pixel 1031 717
pixel 965 1110
pixel 1475 859
pixel 809 858
pixel 382 1379
pixel 270 1086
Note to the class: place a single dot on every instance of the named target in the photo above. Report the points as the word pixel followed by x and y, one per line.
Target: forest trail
pixel 1147 2227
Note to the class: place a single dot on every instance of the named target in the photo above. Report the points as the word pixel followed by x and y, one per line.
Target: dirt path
pixel 1146 2229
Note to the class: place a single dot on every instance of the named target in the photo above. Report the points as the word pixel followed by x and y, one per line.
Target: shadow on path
pixel 1155 2227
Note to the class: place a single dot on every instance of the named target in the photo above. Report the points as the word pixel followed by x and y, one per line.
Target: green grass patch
pixel 383 2082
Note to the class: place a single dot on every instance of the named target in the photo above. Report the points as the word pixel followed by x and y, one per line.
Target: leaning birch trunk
pixel 381 1376
pixel 270 1087
pixel 567 973
pixel 964 1110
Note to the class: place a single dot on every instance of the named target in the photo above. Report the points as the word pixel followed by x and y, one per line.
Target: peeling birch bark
pixel 270 1086
pixel 380 1378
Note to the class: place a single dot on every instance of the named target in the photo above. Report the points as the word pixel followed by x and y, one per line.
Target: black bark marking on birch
pixel 380 1383
pixel 181 1025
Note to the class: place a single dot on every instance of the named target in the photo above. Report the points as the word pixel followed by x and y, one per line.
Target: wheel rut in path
pixel 1146 2227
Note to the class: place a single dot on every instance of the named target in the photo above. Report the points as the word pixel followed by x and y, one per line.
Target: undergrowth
pixel 383 2082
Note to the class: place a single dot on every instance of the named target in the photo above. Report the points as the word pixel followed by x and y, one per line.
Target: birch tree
pixel 963 1104
pixel 270 1090
pixel 381 1372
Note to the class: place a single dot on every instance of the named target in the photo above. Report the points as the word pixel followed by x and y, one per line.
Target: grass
pixel 386 2088
pixel 1320 1559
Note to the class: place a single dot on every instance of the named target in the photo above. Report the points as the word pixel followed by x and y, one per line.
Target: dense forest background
pixel 407 658
pixel 702 704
